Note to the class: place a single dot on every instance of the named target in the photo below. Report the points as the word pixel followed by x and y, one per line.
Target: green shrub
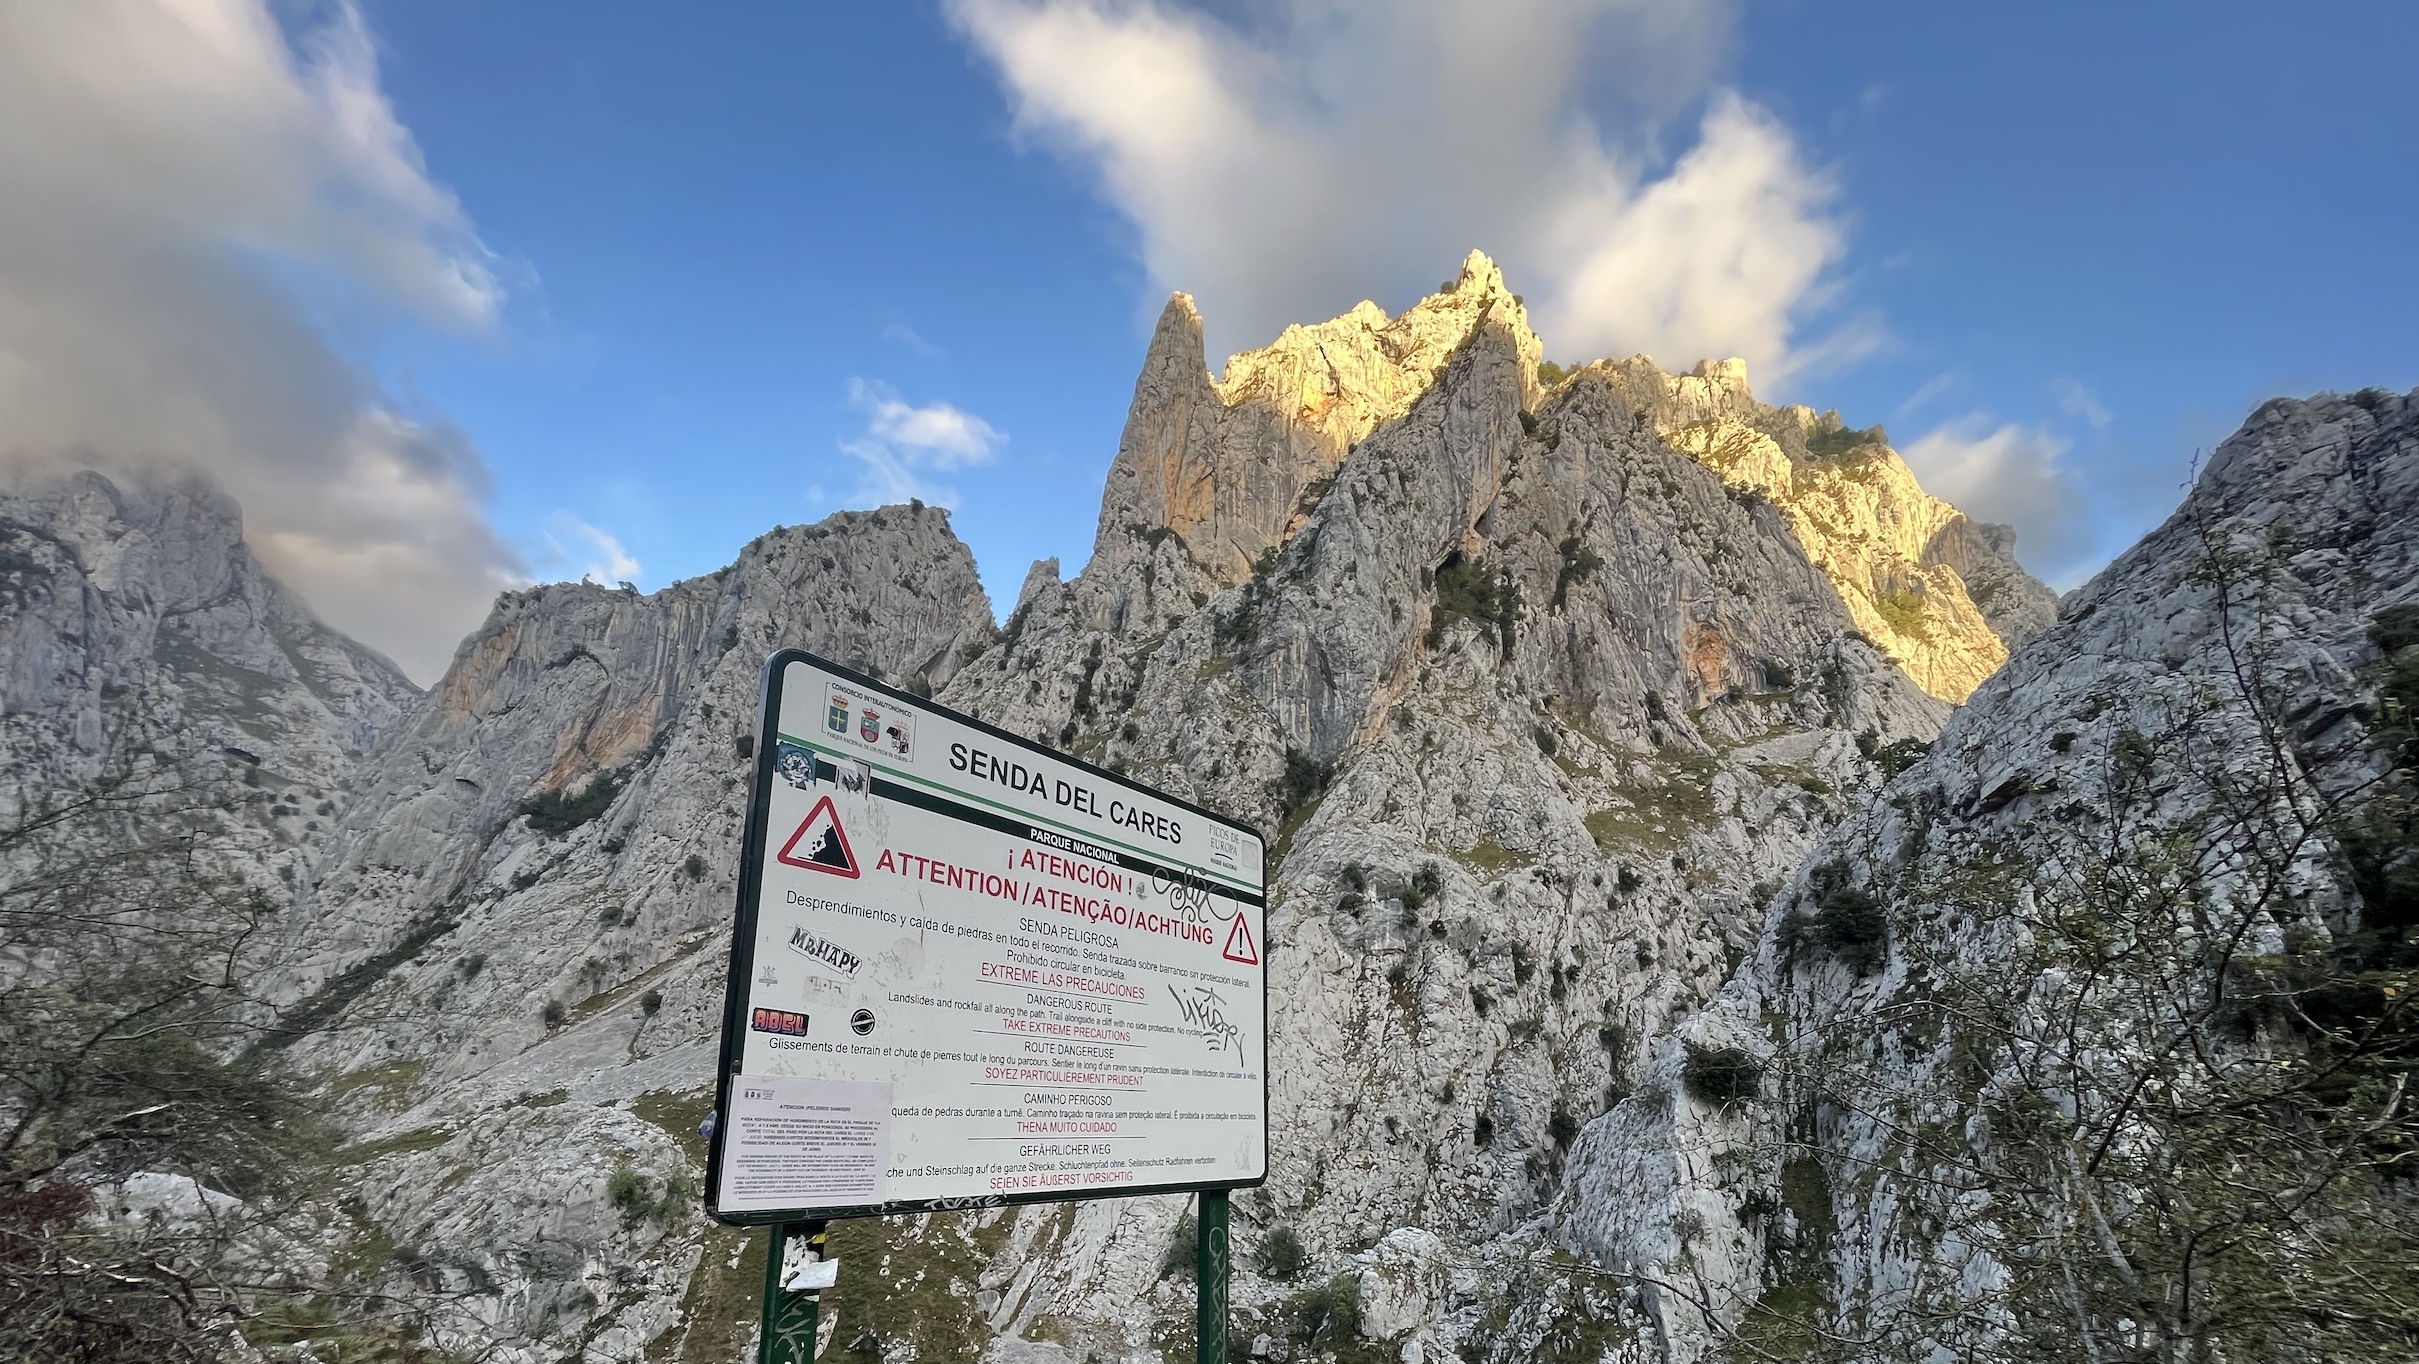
pixel 1181 1254
pixel 1302 783
pixel 1465 591
pixel 1578 561
pixel 559 812
pixel 1849 924
pixel 1721 1075
pixel 1562 1127
pixel 1333 1309
pixel 2395 628
pixel 638 1199
pixel 1280 1254
pixel 1845 441
pixel 1895 758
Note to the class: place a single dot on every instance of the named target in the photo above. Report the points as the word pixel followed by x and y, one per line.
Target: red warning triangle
pixel 1239 944
pixel 829 850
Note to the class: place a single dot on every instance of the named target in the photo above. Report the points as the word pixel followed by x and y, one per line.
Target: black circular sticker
pixel 861 1022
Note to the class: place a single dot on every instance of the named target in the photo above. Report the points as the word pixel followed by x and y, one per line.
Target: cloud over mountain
pixel 905 445
pixel 192 191
pixel 1335 149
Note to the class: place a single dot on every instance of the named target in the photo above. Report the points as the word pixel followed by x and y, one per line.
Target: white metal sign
pixel 968 969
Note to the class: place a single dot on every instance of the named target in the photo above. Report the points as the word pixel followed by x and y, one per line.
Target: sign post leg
pixel 1210 1264
pixel 788 1332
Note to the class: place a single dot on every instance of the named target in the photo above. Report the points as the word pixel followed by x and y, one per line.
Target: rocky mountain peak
pixel 137 619
pixel 1215 473
pixel 1227 466
pixel 1938 593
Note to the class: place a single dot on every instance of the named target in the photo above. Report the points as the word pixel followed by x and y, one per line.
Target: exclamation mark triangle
pixel 1239 944
pixel 825 843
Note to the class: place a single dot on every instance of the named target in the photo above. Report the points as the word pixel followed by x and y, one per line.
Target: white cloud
pixel 1340 149
pixel 1934 387
pixel 178 177
pixel 603 560
pixel 2011 474
pixel 904 445
pixel 914 340
pixel 2076 399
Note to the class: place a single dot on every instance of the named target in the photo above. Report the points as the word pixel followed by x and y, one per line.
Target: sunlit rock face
pixel 1940 594
pixel 1228 468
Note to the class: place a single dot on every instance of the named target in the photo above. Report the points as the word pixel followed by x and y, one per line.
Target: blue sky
pixel 614 288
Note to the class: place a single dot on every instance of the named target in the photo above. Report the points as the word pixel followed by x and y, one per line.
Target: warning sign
pixel 1239 945
pixel 820 843
pixel 1047 977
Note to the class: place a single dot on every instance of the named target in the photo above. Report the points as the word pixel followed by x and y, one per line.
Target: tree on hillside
pixel 149 1172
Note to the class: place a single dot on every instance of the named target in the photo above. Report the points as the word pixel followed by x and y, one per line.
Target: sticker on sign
pixel 967 969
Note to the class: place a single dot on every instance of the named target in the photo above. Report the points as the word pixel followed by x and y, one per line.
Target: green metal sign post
pixel 1210 1265
pixel 790 1319
pixel 788 1334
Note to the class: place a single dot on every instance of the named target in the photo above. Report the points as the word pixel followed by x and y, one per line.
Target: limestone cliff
pixel 1228 467
pixel 134 620
pixel 1940 594
pixel 1533 702
pixel 2153 834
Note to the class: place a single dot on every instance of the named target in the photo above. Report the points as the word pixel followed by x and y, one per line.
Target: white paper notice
pixel 799 1143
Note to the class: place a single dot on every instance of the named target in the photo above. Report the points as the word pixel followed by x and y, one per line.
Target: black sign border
pixel 743 961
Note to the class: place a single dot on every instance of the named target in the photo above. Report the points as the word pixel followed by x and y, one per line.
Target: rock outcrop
pixel 137 622
pixel 1229 467
pixel 1941 595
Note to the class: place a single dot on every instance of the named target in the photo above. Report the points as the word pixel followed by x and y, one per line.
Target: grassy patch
pixel 1660 815
pixel 718 1312
pixel 1490 856
pixel 390 1082
pixel 620 994
pixel 677 1112
pixel 1786 1322
pixel 559 812
pixel 907 1287
pixel 1902 611
pixel 402 1143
